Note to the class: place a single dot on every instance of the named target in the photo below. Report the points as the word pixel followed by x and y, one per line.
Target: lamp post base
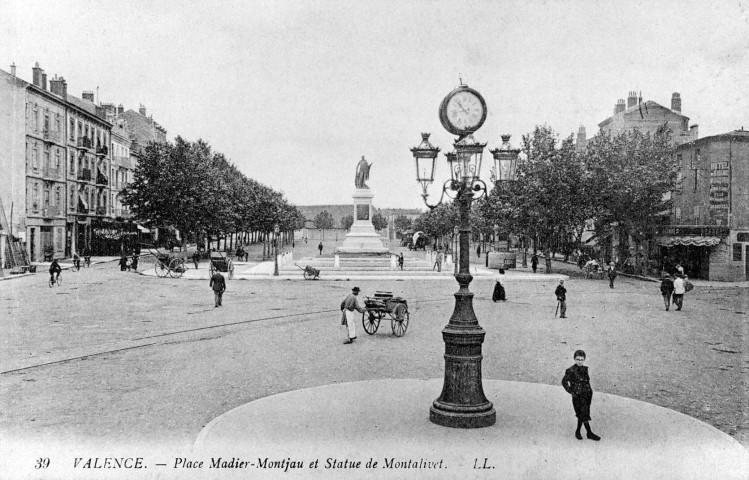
pixel 458 416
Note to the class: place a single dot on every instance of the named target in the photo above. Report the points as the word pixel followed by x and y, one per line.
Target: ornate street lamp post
pixel 504 171
pixel 276 229
pixel 462 403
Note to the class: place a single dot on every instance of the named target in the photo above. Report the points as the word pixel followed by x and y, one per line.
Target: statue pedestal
pixel 362 240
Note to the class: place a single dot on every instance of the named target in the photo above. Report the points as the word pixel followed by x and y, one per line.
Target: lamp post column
pixel 463 403
pixel 275 250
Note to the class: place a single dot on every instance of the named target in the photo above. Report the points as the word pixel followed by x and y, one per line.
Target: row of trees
pixel 618 182
pixel 324 220
pixel 187 186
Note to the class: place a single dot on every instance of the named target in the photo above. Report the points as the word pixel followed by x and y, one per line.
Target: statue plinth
pixel 362 239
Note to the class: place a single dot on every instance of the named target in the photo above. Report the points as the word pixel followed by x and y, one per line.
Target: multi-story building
pixel 709 231
pixel 88 173
pixel 54 157
pixel 142 128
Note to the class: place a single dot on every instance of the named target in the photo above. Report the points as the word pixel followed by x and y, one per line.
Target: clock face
pixel 463 111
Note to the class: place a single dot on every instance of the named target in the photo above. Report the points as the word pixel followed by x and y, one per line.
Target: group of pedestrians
pixel 674 288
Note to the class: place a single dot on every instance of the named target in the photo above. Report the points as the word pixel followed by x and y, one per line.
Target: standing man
pixel 534 262
pixel 612 274
pixel 667 289
pixel 319 247
pixel 348 306
pixel 196 258
pixel 478 250
pixel 400 261
pixel 218 284
pixel 561 294
pixel 679 291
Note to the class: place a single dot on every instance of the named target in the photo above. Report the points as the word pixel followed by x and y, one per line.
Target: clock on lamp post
pixel 462 403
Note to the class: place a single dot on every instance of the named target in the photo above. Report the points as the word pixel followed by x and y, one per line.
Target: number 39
pixel 42 463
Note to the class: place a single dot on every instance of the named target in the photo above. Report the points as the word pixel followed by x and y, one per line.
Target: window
pixel 677 214
pixel 34 156
pixel 72 163
pixel 46 156
pixel 58 196
pixel 72 128
pixel 57 159
pixel 696 211
pixel 737 252
pixel 46 122
pixel 35 197
pixel 46 197
pixel 58 123
pixel 36 119
pixel 72 202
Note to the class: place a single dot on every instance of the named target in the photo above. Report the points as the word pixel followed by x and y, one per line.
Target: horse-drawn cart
pixel 166 264
pixel 221 263
pixel 385 303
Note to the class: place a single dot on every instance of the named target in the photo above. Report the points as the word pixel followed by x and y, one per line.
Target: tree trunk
pixel 548 254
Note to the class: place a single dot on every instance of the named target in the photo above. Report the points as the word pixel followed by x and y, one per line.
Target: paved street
pixel 112 356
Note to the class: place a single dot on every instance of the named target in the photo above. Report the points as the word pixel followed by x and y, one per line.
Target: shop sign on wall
pixel 719 184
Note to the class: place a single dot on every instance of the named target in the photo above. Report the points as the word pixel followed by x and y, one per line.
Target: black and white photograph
pixel 416 239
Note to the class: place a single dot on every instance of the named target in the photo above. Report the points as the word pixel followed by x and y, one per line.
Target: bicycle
pixel 55 280
pixel 76 265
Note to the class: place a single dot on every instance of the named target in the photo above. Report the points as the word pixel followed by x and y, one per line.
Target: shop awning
pixel 695 241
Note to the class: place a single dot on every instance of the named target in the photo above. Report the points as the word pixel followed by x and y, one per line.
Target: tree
pixel 324 220
pixel 439 222
pixel 550 199
pixel 633 174
pixel 379 221
pixel 402 223
pixel 347 221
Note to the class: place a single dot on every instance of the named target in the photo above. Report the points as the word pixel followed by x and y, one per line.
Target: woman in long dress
pixel 499 289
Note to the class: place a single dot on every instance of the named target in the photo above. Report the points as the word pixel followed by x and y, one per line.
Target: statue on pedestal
pixel 362 173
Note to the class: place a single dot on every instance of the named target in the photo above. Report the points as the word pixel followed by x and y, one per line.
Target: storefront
pixel 701 250
pixel 111 237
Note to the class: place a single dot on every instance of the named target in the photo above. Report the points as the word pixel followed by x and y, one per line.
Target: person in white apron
pixel 349 307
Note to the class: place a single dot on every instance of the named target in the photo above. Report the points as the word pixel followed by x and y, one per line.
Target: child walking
pixel 577 383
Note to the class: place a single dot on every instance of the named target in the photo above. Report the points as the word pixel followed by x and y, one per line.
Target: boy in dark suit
pixel 577 383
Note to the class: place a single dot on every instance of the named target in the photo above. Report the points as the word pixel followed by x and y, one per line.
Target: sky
pixel 294 93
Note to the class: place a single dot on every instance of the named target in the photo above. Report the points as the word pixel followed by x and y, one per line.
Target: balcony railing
pixel 85 142
pixel 84 174
pixel 124 162
pixel 51 135
pixel 50 211
pixel 53 173
pixel 102 150
pixel 101 210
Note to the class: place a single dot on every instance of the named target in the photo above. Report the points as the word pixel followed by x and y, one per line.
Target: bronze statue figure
pixel 362 173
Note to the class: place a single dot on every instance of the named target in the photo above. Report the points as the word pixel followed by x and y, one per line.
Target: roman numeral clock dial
pixel 463 111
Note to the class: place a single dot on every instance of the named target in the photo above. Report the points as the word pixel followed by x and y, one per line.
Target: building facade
pixel 709 231
pixel 647 117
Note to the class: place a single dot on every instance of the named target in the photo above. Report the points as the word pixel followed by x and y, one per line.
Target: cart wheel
pixel 308 276
pixel 370 321
pixel 162 270
pixel 176 267
pixel 399 320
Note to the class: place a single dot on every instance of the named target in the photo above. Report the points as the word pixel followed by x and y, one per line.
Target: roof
pixel 737 135
pixel 645 106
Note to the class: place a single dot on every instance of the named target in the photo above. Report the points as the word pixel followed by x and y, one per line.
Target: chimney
pixel 120 109
pixel 36 75
pixel 582 140
pixel 64 88
pixel 142 110
pixel 694 132
pixel 44 80
pixel 632 99
pixel 55 86
pixel 88 95
pixel 620 107
pixel 676 102
pixel 13 69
